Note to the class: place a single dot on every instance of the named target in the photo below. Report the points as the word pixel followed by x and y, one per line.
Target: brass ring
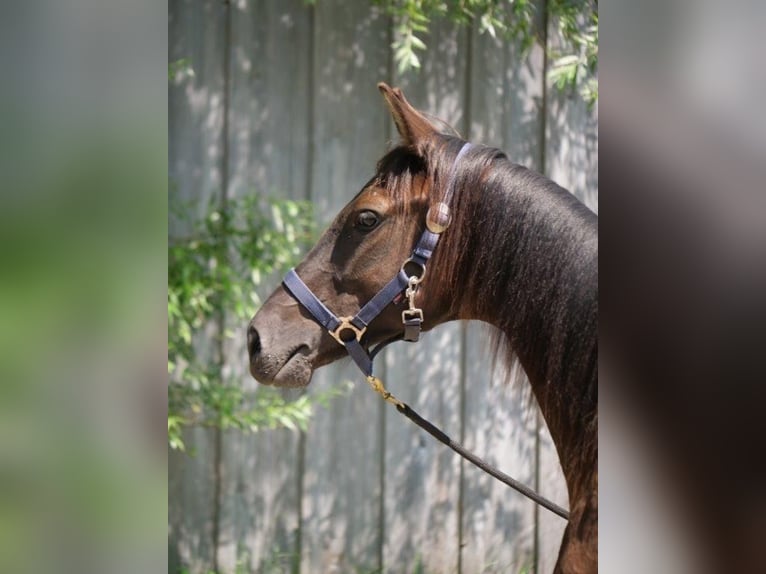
pixel 345 323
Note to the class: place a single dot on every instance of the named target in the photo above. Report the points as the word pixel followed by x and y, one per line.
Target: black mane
pixel 524 252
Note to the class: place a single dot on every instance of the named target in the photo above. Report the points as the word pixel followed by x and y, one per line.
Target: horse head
pixel 364 247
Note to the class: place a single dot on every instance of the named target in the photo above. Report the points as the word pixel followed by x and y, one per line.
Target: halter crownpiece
pixel 348 331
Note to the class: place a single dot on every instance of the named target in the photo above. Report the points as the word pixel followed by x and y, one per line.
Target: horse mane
pixel 537 276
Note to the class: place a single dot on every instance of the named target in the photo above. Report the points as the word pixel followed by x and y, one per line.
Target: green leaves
pixel 404 50
pixel 575 61
pixel 179 70
pixel 230 407
pixel 575 64
pixel 214 274
pixel 410 16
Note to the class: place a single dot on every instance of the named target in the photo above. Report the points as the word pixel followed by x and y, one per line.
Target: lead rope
pixel 441 436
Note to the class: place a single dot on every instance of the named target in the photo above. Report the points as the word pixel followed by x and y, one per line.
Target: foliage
pixel 214 275
pixel 576 64
pixel 575 61
pixel 514 20
pixel 180 69
pixel 276 561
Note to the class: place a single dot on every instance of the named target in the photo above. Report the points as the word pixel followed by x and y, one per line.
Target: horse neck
pixel 528 266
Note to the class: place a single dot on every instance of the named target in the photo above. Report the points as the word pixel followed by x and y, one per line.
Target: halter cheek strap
pixel 348 331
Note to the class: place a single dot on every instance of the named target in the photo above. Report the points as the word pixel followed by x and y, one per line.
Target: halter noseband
pixel 348 331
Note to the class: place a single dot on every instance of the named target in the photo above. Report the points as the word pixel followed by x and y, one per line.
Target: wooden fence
pixel 284 101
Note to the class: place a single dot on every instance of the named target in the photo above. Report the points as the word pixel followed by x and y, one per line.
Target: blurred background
pixel 275 123
pixel 84 227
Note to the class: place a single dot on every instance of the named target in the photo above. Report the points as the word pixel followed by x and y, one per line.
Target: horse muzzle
pixel 278 364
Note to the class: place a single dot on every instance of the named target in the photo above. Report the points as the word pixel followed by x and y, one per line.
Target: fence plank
pixel 195 104
pixel 498 523
pixel 341 506
pixel 506 112
pixel 270 98
pixel 422 477
pixel 191 484
pixel 268 148
pixel 195 143
pixel 259 506
pixel 507 106
pixel 571 152
pixel 572 146
pixel 350 58
pixel 571 140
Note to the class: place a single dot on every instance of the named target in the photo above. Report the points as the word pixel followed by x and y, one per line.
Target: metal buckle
pixel 345 323
pixel 412 319
pixel 410 314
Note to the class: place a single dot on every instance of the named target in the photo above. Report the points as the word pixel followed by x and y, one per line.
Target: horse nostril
pixel 253 341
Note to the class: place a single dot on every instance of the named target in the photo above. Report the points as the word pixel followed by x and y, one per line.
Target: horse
pixel 516 251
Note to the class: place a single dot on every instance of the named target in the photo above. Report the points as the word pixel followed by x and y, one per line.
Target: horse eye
pixel 367 220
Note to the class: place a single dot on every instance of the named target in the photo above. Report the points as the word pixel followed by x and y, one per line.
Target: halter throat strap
pixel 348 331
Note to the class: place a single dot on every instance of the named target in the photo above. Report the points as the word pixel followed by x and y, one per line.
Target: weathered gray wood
pixel 270 98
pixel 195 122
pixel 572 146
pixel 439 86
pixel 506 100
pixel 191 483
pixel 571 141
pixel 350 58
pixel 259 513
pixel 268 150
pixel 195 104
pixel 571 160
pixel 341 505
pixel 499 524
pixel 422 477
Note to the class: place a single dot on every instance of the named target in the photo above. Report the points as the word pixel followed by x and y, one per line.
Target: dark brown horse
pixel 520 253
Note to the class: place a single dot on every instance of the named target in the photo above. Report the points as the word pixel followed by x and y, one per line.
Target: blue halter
pixel 348 331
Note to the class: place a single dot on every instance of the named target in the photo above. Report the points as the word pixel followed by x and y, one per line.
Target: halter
pixel 348 331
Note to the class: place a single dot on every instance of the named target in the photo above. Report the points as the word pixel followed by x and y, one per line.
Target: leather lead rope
pixel 444 438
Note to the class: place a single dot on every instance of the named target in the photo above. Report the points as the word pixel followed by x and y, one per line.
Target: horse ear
pixel 410 123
